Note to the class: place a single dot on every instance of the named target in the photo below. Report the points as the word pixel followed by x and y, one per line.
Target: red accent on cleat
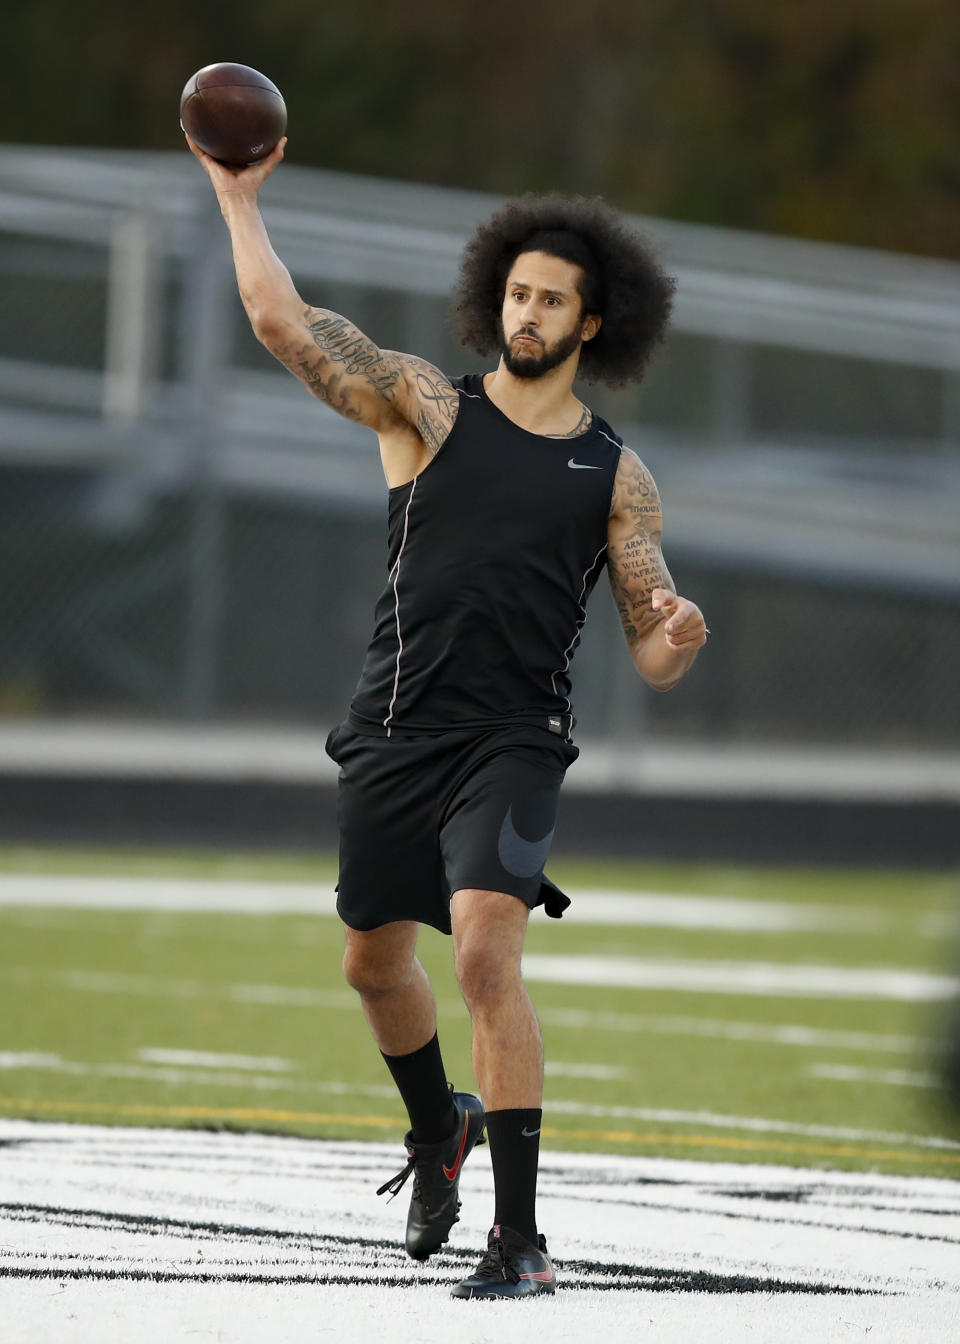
pixel 451 1172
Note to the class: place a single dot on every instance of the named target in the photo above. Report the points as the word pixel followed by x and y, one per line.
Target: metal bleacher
pixel 803 419
pixel 166 395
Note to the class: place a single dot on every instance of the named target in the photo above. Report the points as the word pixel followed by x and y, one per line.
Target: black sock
pixel 422 1083
pixel 514 1138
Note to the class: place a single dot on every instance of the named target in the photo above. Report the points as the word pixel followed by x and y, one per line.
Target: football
pixel 235 114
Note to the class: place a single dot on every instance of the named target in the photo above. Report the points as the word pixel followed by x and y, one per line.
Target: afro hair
pixel 623 281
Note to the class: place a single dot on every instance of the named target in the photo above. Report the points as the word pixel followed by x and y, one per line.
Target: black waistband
pixel 560 724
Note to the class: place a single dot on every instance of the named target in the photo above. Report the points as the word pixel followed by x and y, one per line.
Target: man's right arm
pixel 388 392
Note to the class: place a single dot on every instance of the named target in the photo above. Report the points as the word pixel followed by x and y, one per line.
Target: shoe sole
pixel 491 1295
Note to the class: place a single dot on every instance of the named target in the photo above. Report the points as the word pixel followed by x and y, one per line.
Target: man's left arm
pixel 664 632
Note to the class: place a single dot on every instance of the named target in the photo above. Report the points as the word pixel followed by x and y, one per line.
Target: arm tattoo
pixel 636 491
pixel 437 400
pixel 342 343
pixel 635 562
pixel 636 568
pixel 339 365
pixel 346 369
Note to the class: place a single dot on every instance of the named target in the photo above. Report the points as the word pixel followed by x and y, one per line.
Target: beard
pixel 535 365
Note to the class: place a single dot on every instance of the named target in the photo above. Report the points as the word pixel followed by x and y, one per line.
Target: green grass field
pixel 156 1016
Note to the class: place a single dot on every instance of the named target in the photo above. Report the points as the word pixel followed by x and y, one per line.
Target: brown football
pixel 233 113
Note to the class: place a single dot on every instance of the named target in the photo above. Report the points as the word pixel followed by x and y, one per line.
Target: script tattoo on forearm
pixel 636 568
pixel 636 565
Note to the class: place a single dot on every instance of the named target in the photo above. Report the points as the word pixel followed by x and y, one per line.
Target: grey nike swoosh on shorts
pixel 522 858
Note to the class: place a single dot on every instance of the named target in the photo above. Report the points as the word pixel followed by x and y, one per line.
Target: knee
pixel 372 974
pixel 484 973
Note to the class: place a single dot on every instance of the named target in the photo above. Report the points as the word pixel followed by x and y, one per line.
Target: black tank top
pixel 493 551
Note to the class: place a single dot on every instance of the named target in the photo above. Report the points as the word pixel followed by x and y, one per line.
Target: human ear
pixel 591 325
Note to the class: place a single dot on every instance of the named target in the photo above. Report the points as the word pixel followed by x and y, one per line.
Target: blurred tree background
pixel 830 119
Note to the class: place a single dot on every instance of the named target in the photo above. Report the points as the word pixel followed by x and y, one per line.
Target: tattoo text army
pixel 636 565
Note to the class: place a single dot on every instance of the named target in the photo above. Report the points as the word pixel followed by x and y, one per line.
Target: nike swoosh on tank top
pixel 493 551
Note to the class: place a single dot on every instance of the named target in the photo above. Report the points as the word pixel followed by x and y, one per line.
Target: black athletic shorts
pixel 422 816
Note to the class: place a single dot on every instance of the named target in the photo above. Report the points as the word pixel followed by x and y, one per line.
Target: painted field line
pixel 729 1143
pixel 693 976
pixel 942 925
pixel 687 910
pixel 755 1123
pixel 595 905
pixel 29 1062
pixel 159 1234
pixel 845 1073
pixel 177 895
pixel 257 1116
pixel 709 976
pixel 210 1059
pixel 253 1115
pixel 761 1032
pixel 160 986
pixel 302 996
pixel 184 1071
pixel 33 1061
pixel 752 1123
pixel 599 1072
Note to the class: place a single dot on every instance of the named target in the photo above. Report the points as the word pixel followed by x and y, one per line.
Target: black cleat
pixel 512 1267
pixel 435 1204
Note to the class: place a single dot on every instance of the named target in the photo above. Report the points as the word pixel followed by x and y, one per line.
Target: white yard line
pixel 113 1234
pixel 207 895
pixel 29 1061
pixel 754 1124
pixel 209 1059
pixel 601 1073
pixel 691 976
pixel 160 986
pixel 650 909
pixel 192 1077
pixel 846 1073
pixel 677 910
pixel 714 976
pixel 795 1034
pixel 333 1000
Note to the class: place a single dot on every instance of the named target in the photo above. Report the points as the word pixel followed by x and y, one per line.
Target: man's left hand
pixel 683 626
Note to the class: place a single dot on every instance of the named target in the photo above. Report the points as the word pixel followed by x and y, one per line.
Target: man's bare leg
pixel 488 932
pixel 399 1005
pixel 397 998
